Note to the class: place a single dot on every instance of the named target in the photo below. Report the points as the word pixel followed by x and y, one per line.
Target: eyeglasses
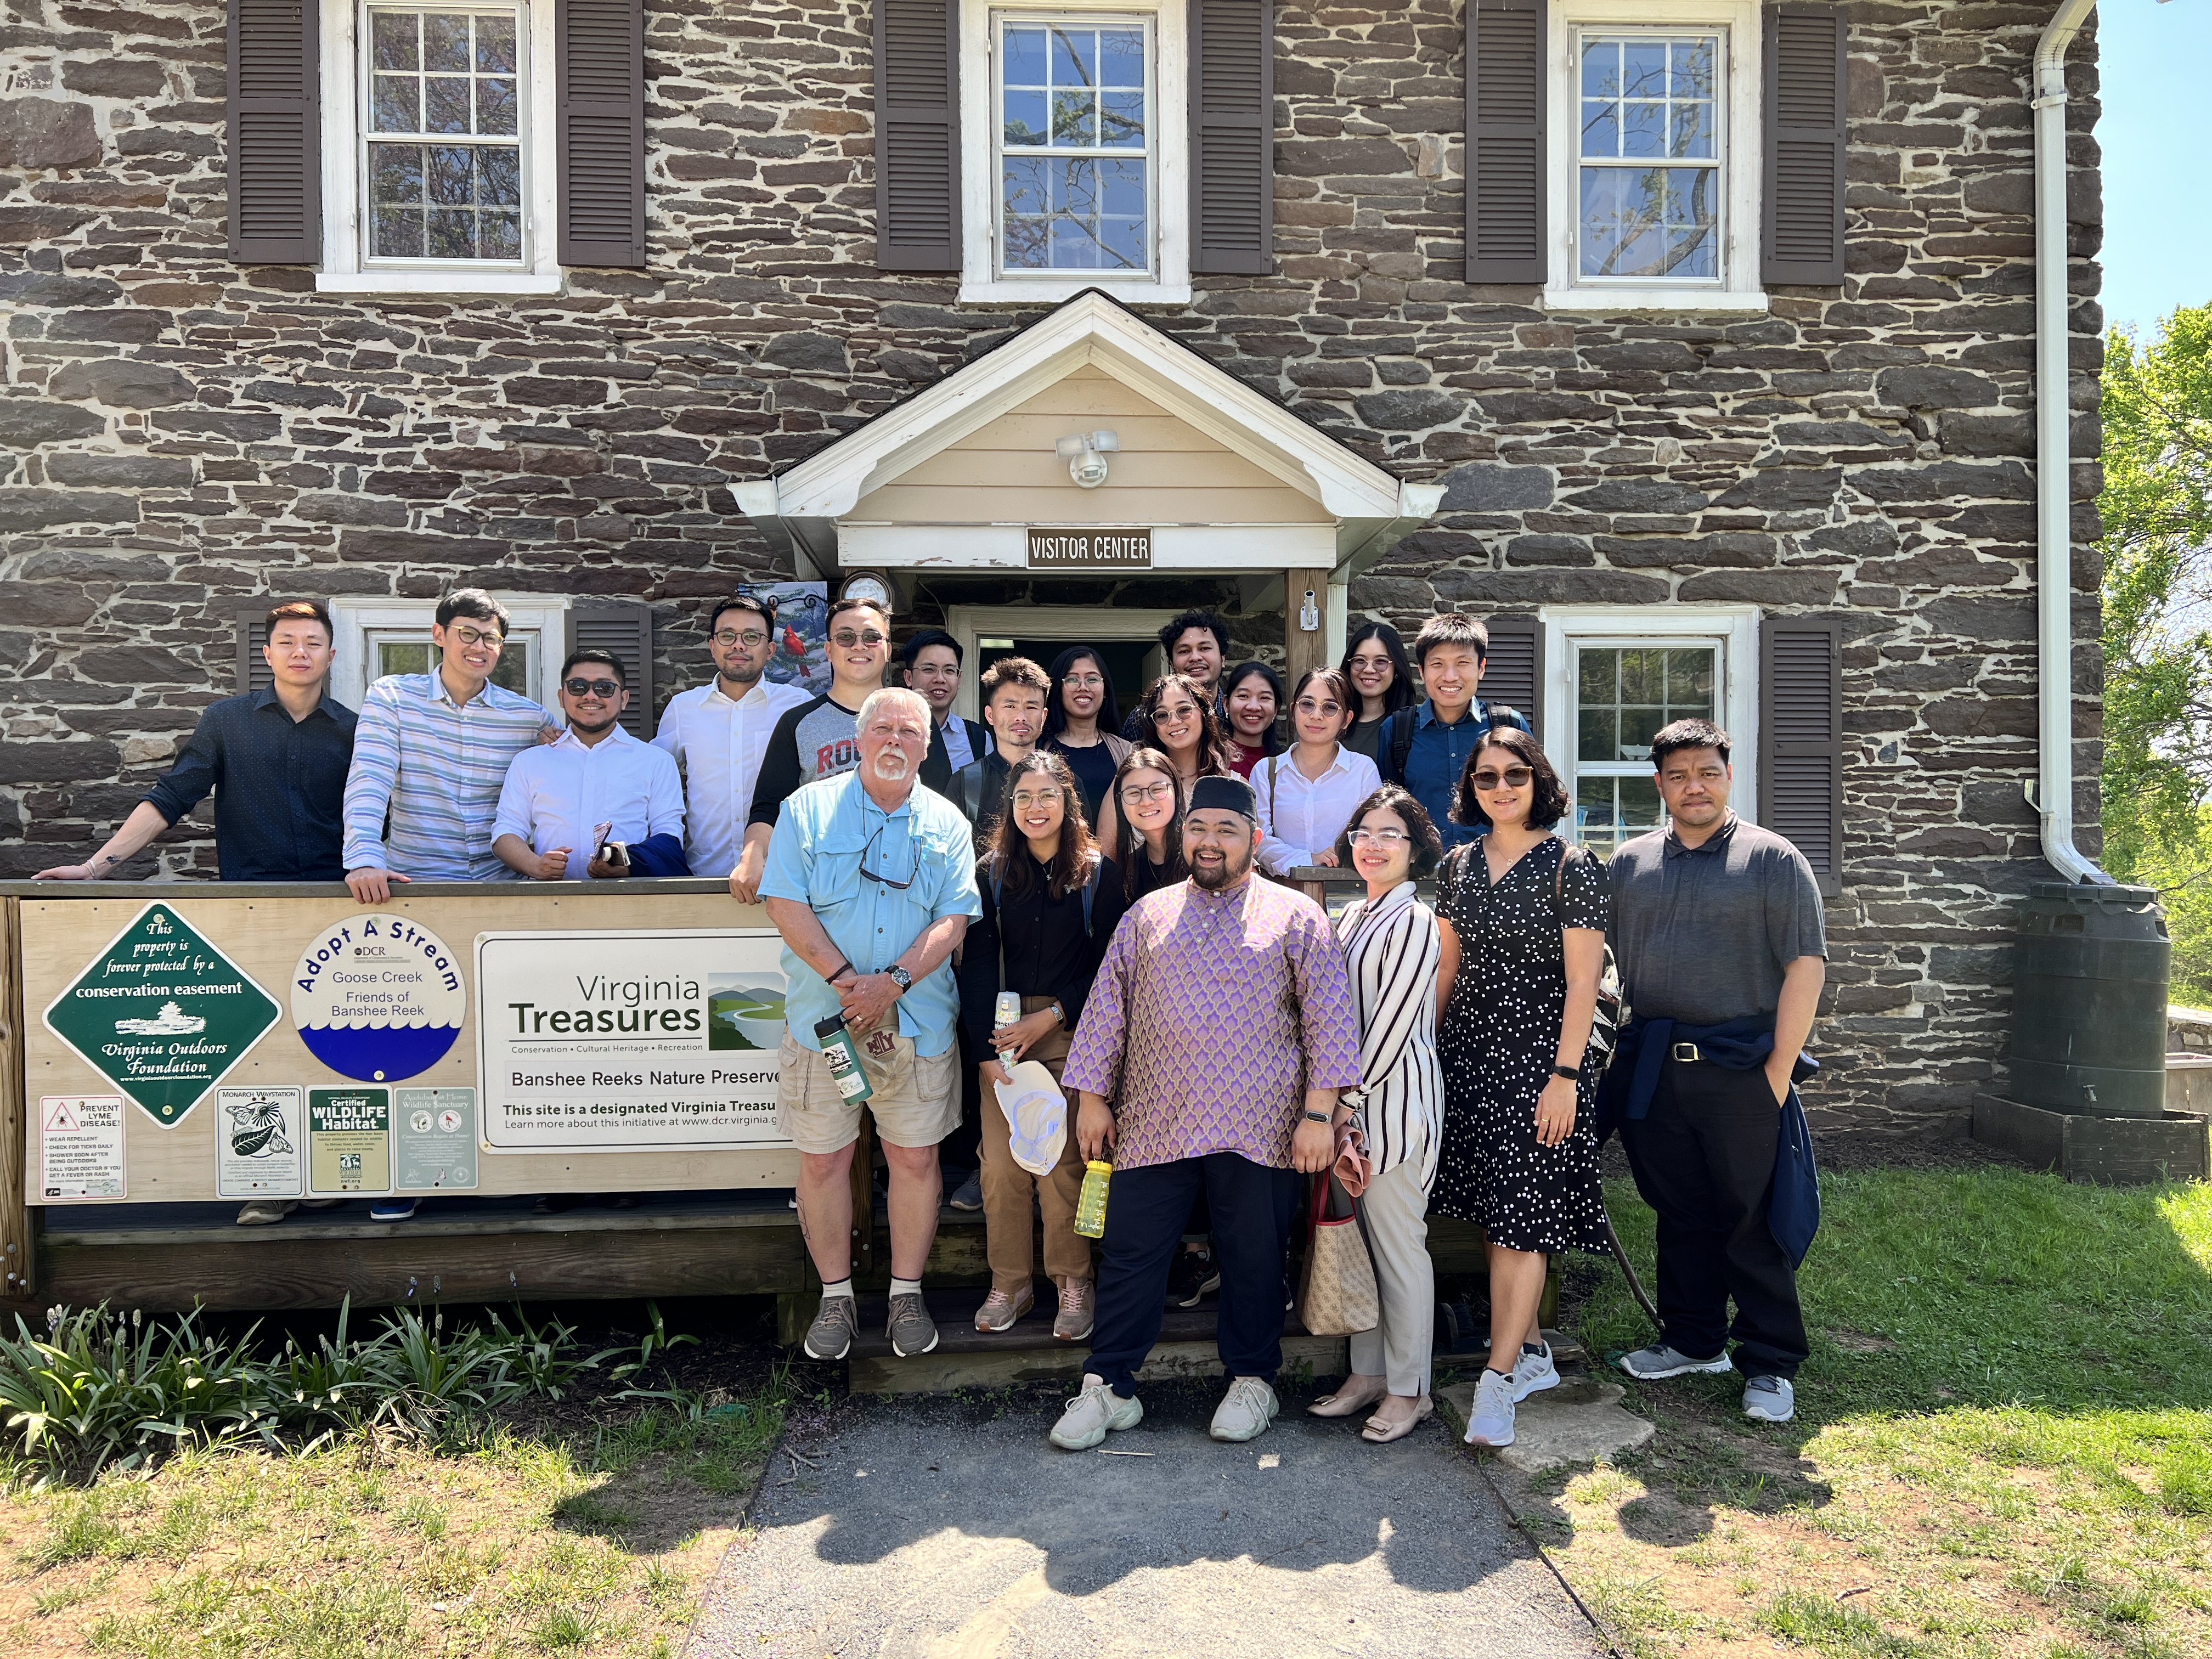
pixel 1028 798
pixel 1513 777
pixel 582 687
pixel 846 639
pixel 1308 706
pixel 752 639
pixel 1138 793
pixel 1385 839
pixel 1085 682
pixel 867 874
pixel 470 636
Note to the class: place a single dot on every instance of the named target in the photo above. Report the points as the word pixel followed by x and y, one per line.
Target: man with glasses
pixel 817 739
pixel 871 884
pixel 1014 691
pixel 933 660
pixel 598 804
pixel 1220 1028
pixel 718 733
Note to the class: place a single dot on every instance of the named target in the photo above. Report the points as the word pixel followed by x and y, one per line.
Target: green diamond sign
pixel 162 1014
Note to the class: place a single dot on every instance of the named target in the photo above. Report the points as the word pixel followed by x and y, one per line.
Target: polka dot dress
pixel 1499 1037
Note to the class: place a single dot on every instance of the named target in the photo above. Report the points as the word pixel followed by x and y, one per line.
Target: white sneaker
pixel 1770 1399
pixel 1245 1411
pixel 1532 1373
pixel 1092 1415
pixel 1491 1422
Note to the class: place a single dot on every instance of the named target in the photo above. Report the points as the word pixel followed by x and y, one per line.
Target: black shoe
pixel 553 1204
pixel 1191 1277
pixel 622 1200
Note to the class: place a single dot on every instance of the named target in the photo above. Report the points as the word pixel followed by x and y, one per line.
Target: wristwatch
pixel 900 977
pixel 1572 1073
pixel 1320 1117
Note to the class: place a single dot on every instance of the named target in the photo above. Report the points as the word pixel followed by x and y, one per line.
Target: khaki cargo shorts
pixel 916 1101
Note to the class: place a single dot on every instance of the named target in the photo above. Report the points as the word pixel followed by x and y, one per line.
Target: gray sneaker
pixel 1770 1399
pixel 1532 1373
pixel 1092 1415
pixel 1649 1365
pixel 911 1331
pixel 1245 1411
pixel 1490 1420
pixel 830 1336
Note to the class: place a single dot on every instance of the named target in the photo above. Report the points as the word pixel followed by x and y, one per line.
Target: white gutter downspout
pixel 2054 561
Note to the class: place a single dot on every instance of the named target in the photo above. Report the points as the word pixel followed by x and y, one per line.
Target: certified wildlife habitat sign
pixel 162 1014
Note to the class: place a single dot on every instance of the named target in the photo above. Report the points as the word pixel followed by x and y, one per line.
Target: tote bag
pixel 1338 1297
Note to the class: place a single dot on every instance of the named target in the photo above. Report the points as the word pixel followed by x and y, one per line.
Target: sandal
pixel 1377 1432
pixel 1344 1404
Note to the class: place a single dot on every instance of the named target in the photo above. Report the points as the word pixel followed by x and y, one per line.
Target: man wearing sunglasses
pixel 718 733
pixel 871 884
pixel 597 803
pixel 817 739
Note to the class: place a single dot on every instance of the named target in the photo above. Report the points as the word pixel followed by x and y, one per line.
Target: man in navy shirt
pixel 275 760
pixel 1426 748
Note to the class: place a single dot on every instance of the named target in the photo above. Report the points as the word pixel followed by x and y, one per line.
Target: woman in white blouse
pixel 1402 966
pixel 1308 791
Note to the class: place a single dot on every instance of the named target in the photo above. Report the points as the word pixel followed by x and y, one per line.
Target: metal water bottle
pixel 1091 1205
pixel 843 1055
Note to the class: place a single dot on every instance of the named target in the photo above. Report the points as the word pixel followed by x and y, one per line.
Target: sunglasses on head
pixel 1513 777
pixel 583 688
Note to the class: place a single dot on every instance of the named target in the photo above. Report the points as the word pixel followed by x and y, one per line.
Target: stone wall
pixel 187 434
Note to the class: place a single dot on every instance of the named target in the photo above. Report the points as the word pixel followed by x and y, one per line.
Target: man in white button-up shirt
pixel 718 732
pixel 563 802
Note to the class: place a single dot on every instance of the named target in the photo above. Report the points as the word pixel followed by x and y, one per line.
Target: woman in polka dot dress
pixel 1525 916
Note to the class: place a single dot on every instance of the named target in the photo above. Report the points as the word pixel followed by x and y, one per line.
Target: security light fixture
pixel 1085 455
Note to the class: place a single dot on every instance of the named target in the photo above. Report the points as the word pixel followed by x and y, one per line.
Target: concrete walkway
pixel 935 1531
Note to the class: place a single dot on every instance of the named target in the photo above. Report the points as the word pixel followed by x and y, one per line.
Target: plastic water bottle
pixel 1005 1013
pixel 843 1056
pixel 1090 1205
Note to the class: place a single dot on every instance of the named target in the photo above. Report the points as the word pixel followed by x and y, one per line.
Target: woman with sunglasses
pixel 1309 793
pixel 1525 915
pixel 1082 725
pixel 1175 719
pixel 1050 904
pixel 1253 698
pixel 1393 956
pixel 1381 678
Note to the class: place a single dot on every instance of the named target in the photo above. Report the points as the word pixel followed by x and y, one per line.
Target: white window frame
pixel 1741 160
pixel 345 268
pixel 982 283
pixel 359 622
pixel 1732 628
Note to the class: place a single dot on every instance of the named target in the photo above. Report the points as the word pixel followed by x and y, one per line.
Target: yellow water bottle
pixel 1090 1206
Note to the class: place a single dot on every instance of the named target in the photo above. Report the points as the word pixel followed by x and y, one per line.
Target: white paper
pixel 81 1148
pixel 260 1143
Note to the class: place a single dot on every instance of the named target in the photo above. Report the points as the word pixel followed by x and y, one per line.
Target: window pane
pixel 1593 734
pixel 446 41
pixel 1026 58
pixel 496 45
pixel 394 35
pixel 1643 69
pixel 1075 57
pixel 446 103
pixel 1659 221
pixel 1600 128
pixel 1643 129
pixel 1024 118
pixel 1601 68
pixel 503 235
pixel 1625 695
pixel 392 107
pixel 452 175
pixel 499 177
pixel 1121 58
pixel 1121 119
pixel 494 107
pixel 1074 118
pixel 403 657
pixel 512 670
pixel 1597 674
pixel 1689 683
pixel 1693 67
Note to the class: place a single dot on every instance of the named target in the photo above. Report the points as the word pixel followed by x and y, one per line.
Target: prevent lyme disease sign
pixel 162 1014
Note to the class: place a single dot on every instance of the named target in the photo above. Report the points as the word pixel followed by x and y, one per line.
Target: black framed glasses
pixel 867 874
pixel 752 639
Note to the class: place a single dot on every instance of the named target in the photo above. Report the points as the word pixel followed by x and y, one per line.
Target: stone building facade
pixel 188 434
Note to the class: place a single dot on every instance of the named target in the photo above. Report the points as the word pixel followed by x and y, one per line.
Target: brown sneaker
pixel 1078 1309
pixel 830 1336
pixel 911 1331
pixel 999 1311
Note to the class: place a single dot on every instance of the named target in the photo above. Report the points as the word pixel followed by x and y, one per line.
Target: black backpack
pixel 1399 745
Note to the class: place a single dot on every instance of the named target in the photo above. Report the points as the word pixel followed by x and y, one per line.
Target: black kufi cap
pixel 1224 795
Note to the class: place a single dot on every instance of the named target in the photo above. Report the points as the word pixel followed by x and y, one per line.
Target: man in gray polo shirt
pixel 1717 926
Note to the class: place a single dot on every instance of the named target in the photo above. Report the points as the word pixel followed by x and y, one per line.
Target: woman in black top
pixel 1524 916
pixel 1144 837
pixel 1050 904
pixel 1081 723
pixel 1382 681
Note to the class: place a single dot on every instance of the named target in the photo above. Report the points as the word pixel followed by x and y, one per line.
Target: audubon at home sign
pixel 628 1042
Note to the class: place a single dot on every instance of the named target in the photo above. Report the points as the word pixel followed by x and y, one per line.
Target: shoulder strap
pixel 1505 713
pixel 1402 742
pixel 971 789
pixel 1090 891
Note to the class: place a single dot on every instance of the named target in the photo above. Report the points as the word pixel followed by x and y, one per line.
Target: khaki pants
pixel 1393 1215
pixel 1008 1242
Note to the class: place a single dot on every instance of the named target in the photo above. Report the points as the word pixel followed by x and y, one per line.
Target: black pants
pixel 962 1151
pixel 1145 1211
pixel 1704 1159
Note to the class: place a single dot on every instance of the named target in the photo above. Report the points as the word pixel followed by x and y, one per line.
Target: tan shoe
pixel 999 1311
pixel 1078 1309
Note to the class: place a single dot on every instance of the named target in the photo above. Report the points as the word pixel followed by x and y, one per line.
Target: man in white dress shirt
pixel 717 731
pixel 564 801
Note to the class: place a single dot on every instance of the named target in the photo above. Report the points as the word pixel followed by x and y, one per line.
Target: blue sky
pixel 2157 178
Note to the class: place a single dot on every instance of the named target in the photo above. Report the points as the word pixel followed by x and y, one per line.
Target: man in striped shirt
pixel 429 755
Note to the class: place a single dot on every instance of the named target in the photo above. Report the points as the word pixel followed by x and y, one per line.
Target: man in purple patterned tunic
pixel 1221 1026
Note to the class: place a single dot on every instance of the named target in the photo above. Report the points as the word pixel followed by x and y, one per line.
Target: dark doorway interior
pixel 1124 661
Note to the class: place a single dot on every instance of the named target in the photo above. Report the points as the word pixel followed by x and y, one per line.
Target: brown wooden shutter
pixel 1505 151
pixel 918 134
pixel 1803 238
pixel 1232 137
pixel 1513 672
pixel 275 115
pixel 626 632
pixel 598 111
pixel 253 633
pixel 1801 739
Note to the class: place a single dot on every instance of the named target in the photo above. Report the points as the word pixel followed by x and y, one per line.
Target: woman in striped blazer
pixel 1401 965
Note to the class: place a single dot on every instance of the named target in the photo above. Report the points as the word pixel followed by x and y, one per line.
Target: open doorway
pixel 1126 639
pixel 1130 665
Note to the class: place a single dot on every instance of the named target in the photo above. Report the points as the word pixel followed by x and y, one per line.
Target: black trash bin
pixel 2089 1000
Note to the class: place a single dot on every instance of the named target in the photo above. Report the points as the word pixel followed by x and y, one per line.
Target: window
pixel 1075 163
pixel 408 651
pixel 441 141
pixel 376 637
pixel 1615 677
pixel 1073 151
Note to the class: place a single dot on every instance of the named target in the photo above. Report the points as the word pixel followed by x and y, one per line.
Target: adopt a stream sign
pixel 162 1014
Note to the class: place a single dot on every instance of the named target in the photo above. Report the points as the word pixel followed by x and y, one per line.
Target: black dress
pixel 1499 1039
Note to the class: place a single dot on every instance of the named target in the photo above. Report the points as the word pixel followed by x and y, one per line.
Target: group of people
pixel 1219 1041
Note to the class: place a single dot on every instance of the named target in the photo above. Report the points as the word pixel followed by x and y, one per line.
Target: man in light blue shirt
pixel 872 883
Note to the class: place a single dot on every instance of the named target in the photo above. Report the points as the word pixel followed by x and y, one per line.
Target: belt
pixel 1686 1051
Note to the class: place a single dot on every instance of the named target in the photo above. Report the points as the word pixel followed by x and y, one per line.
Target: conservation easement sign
pixel 662 1041
pixel 162 1014
pixel 1067 547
